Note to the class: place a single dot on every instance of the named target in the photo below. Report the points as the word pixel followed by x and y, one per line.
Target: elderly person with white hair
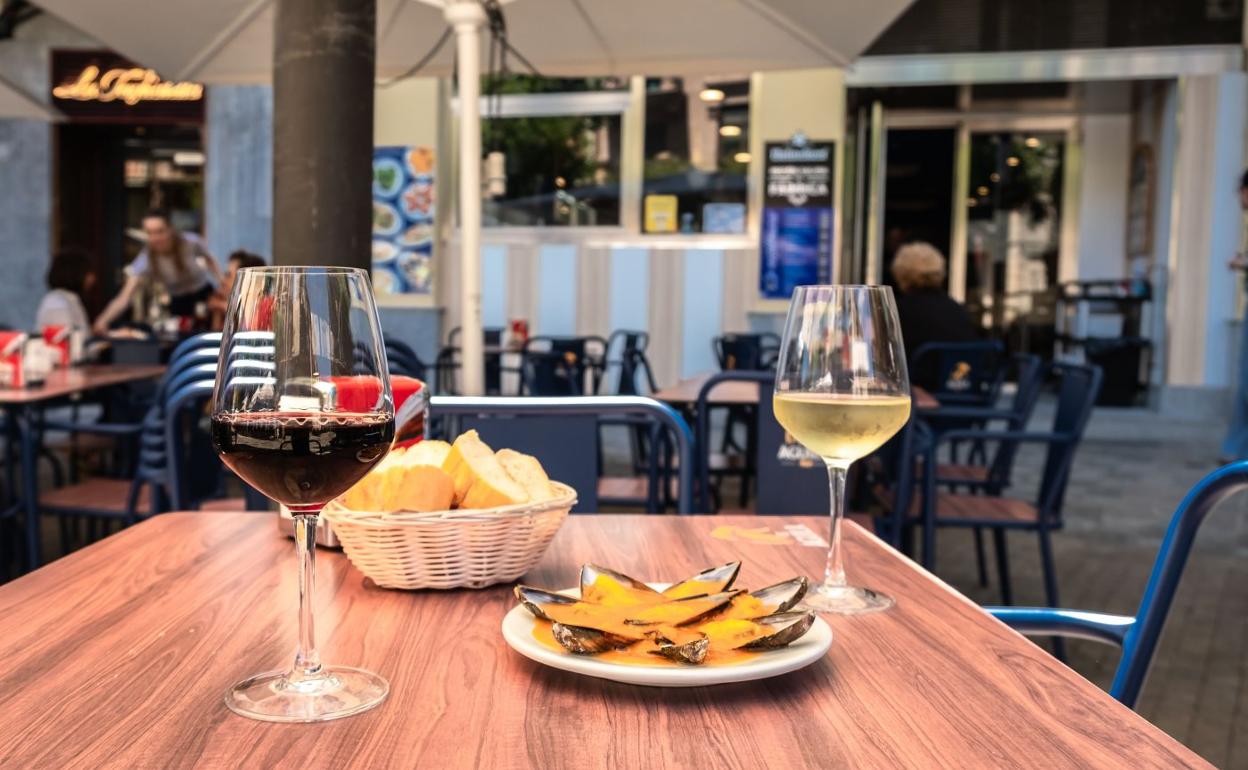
pixel 927 313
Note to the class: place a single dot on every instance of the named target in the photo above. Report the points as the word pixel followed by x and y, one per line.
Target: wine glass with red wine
pixel 301 411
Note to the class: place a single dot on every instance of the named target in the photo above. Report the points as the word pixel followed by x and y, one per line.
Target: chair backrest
pixel 563 434
pixel 967 373
pixel 491 335
pixel 404 361
pixel 1029 373
pixel 625 358
pixel 195 342
pixel 1140 642
pixel 1077 388
pixel 557 366
pixel 184 443
pixel 745 351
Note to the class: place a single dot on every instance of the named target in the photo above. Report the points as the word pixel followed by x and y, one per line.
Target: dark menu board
pixel 796 245
pixel 102 87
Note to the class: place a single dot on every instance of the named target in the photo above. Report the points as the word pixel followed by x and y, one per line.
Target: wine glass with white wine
pixel 842 391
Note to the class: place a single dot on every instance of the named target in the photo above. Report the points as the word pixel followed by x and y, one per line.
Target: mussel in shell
pixel 692 652
pixel 535 599
pixel 611 587
pixel 786 628
pixel 681 612
pixel 708 581
pixel 782 597
pixel 581 640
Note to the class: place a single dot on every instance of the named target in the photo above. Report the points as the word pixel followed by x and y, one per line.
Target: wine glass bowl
pixel 842 390
pixel 302 409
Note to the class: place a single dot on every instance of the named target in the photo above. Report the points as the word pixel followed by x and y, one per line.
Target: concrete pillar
pixel 323 74
pixel 1206 222
pixel 238 170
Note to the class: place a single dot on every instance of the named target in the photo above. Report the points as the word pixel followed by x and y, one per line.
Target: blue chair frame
pixel 585 406
pixel 1138 635
pixel 987 373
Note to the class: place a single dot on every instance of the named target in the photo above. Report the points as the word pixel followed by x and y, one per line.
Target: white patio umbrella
pixel 16 103
pixel 231 41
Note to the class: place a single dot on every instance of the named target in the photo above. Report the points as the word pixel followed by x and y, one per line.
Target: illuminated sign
pixel 130 85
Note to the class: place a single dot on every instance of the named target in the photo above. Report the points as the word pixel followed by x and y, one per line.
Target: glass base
pixel 339 691
pixel 846 600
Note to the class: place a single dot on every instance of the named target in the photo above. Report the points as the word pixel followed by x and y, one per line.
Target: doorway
pixel 918 190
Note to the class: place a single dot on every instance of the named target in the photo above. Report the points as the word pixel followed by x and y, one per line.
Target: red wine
pixel 301 459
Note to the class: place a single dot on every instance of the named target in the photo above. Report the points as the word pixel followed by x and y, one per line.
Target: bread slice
pixel 480 481
pixel 427 452
pixel 419 483
pixel 372 493
pixel 527 472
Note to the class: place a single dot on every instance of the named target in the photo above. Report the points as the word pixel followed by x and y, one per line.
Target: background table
pixel 124 649
pixel 21 407
pixel 734 393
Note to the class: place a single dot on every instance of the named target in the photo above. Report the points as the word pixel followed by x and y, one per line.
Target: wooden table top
pixel 736 393
pixel 124 649
pixel 77 379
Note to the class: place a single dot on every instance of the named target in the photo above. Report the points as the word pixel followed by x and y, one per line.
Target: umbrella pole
pixel 323 72
pixel 467 19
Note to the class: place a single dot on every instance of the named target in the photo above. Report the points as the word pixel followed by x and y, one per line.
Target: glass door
pixel 1013 235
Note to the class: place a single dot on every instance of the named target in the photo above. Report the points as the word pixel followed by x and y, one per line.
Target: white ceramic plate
pixel 518 627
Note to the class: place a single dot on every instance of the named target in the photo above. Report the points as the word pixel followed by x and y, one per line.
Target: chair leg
pixel 1003 566
pixel 980 559
pixel 63 522
pixel 1050 587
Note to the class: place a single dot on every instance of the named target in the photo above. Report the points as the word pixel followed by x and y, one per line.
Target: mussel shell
pixel 692 653
pixel 534 599
pixel 788 628
pixel 590 572
pixel 782 597
pixel 581 640
pixel 722 576
pixel 713 604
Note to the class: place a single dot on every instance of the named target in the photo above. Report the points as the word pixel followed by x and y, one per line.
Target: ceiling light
pixel 982 190
pixel 1032 142
pixel 1011 161
pixel 711 95
pixel 730 131
pixel 742 157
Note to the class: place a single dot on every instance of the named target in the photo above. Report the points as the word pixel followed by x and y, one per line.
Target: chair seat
pixel 94 494
pixel 627 488
pixel 952 472
pixel 953 508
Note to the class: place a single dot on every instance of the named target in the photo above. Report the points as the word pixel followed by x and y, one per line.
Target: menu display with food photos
pixel 403 212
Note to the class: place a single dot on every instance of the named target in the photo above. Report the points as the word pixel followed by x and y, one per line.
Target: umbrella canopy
pixel 16 103
pixel 231 41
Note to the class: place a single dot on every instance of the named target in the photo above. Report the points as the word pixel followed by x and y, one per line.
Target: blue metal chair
pixel 1077 388
pixel 404 361
pixel 557 366
pixel 966 373
pixel 1138 635
pixel 195 342
pixel 563 434
pixel 746 351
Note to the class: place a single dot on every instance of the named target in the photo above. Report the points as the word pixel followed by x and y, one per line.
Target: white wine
pixel 841 427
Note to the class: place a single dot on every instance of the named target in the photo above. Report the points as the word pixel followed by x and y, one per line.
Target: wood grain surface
pixel 118 655
pixel 731 393
pixel 65 382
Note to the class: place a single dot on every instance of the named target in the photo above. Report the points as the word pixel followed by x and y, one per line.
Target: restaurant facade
pixel 1034 154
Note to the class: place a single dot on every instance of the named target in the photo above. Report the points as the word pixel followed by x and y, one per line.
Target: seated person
pixel 926 312
pixel 69 277
pixel 220 298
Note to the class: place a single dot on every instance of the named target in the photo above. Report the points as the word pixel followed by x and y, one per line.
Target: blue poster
pixel 796 237
pixel 794 242
pixel 403 217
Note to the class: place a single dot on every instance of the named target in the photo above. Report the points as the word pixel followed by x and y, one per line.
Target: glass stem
pixel 834 575
pixel 307 660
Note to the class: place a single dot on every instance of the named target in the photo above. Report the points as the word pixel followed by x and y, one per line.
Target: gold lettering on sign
pixel 131 86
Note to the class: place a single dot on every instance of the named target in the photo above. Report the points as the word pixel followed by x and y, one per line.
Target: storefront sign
pixel 131 86
pixel 660 213
pixel 796 246
pixel 403 216
pixel 99 86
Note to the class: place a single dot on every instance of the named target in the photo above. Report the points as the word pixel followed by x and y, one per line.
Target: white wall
pixel 1103 197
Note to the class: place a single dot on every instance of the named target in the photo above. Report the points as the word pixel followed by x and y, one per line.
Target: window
pixel 553 151
pixel 696 156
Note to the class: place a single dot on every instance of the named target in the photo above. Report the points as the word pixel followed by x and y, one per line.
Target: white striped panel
pixel 630 289
pixel 494 285
pixel 556 307
pixel 702 313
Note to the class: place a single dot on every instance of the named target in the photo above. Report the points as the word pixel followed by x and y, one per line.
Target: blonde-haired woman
pixel 926 312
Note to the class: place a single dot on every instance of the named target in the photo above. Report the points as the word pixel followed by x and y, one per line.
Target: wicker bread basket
pixel 450 549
